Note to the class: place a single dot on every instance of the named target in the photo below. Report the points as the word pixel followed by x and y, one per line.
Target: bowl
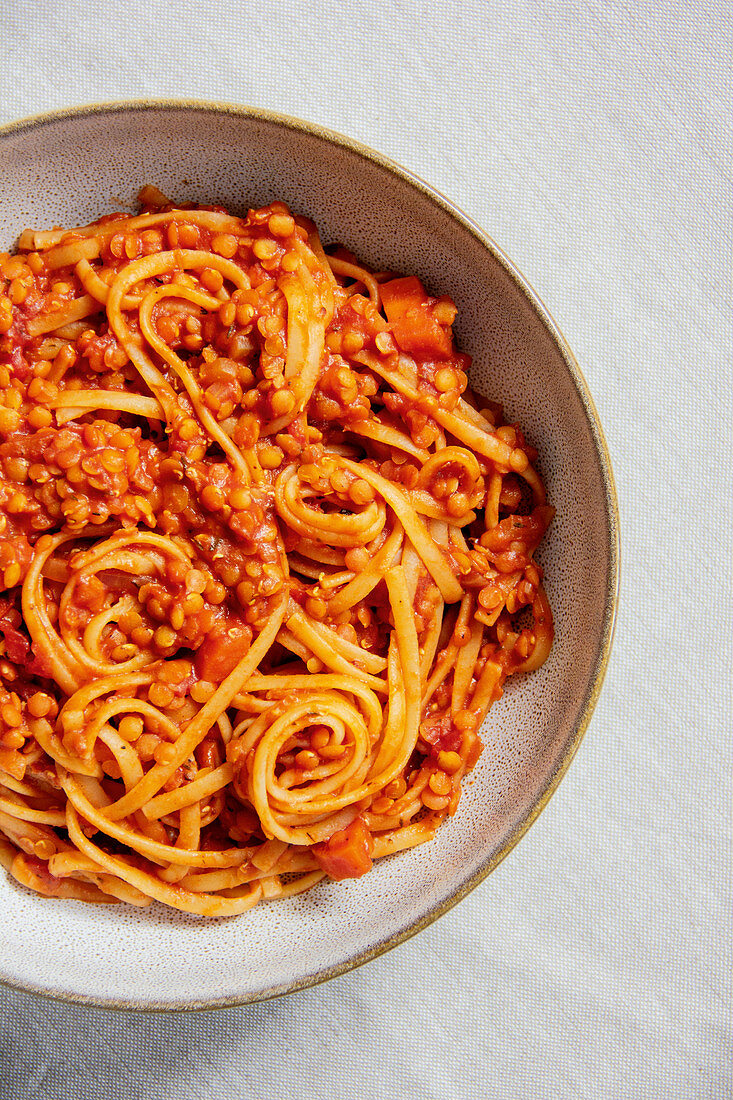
pixel 69 168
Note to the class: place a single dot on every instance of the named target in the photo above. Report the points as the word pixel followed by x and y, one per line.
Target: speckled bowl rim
pixel 288 122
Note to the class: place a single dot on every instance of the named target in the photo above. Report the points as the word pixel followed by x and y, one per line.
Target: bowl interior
pixel 70 169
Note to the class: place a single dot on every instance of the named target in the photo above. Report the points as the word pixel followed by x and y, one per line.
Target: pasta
pixel 266 561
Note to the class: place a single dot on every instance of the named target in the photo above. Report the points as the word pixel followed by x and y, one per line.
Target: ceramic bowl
pixel 67 169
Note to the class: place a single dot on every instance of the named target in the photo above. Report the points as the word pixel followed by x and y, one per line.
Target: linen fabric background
pixel 592 141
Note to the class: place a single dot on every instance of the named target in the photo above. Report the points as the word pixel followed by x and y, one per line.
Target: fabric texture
pixel 592 140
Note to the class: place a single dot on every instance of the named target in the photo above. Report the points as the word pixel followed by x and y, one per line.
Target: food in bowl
pixel 266 560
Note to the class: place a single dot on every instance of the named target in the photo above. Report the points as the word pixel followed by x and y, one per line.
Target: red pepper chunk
pixel 347 854
pixel 410 312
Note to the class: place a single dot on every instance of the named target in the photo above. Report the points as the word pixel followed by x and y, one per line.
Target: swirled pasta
pixel 265 560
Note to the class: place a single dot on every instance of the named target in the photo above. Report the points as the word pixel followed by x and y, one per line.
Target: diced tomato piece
pixel 347 854
pixel 17 644
pixel 441 734
pixel 400 295
pixel 525 529
pixel 414 324
pixel 221 652
pixel 18 647
pixel 418 333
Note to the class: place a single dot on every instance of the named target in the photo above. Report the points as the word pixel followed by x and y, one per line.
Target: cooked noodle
pixel 265 560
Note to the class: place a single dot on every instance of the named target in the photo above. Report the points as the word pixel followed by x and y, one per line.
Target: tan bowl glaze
pixel 67 169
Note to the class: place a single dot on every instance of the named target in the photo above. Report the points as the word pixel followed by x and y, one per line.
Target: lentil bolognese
pixel 266 561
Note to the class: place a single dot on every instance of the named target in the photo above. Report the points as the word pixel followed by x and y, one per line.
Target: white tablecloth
pixel 592 139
